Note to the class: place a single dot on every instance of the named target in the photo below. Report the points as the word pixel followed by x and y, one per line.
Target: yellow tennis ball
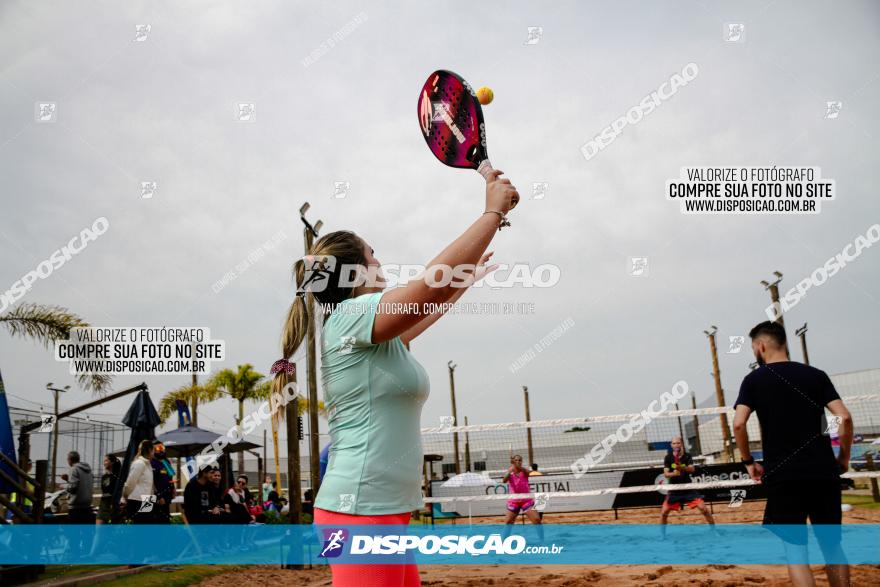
pixel 485 95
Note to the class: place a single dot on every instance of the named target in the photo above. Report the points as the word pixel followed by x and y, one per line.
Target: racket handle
pixel 484 169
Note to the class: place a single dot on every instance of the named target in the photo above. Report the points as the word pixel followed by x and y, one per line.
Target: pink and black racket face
pixel 451 120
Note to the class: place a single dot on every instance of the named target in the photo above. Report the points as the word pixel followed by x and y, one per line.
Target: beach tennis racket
pixel 452 124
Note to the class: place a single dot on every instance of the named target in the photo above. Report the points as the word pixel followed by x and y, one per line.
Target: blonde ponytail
pixel 347 249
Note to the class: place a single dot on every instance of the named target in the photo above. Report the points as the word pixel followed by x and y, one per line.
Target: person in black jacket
pixel 107 512
pixel 163 481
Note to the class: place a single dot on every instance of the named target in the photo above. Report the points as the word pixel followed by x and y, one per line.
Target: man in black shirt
pixel 201 500
pixel 677 468
pixel 800 472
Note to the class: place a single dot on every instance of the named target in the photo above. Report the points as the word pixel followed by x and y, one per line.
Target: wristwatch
pixel 749 461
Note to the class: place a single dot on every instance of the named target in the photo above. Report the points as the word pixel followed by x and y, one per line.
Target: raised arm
pixel 429 320
pixel 467 249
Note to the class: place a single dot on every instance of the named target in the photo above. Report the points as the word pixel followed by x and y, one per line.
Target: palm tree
pixel 192 395
pixel 241 385
pixel 46 324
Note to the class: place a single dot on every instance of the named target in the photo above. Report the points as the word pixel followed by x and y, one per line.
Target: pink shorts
pixel 520 505
pixel 369 575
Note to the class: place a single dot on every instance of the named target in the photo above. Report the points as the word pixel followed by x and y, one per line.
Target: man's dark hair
pixel 772 329
pixel 242 477
pixel 73 456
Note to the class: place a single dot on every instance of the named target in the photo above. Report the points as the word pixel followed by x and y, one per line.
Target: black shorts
pixel 792 503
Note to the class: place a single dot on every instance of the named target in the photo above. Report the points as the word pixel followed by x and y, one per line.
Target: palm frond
pixel 168 403
pixel 241 385
pixel 45 325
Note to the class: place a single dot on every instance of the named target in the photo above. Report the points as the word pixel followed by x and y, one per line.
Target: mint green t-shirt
pixel 373 396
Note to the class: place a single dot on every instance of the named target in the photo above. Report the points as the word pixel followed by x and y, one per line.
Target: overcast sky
pixel 164 110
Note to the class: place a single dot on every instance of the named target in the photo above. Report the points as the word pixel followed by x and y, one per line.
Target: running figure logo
pixel 737 497
pixel 736 344
pixel 832 109
pixel 318 271
pixel 147 503
pixel 735 32
pixel 346 343
pixel 446 423
pixel 542 500
pixel 638 266
pixel 833 425
pixel 333 543
pixel 346 502
pixel 535 35
pixel 47 422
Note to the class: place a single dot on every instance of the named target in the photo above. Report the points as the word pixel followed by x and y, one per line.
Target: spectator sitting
pixel 235 502
pixel 308 504
pixel 275 501
pixel 79 489
pixel 201 504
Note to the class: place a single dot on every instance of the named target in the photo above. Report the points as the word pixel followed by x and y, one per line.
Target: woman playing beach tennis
pixel 517 478
pixel 374 388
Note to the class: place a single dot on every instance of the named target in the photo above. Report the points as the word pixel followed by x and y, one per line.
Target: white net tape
pixel 601 419
pixel 618 490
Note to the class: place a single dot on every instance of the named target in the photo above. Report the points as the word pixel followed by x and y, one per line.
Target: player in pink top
pixel 517 479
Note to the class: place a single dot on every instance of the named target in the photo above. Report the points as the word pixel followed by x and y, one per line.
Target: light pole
pixel 310 232
pixel 699 446
pixel 773 288
pixel 467 448
pixel 719 392
pixel 452 367
pixel 55 391
pixel 802 333
pixel 528 430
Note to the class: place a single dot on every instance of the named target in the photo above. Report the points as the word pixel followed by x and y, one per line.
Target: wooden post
pixel 294 483
pixel 699 446
pixel 309 234
pixel 42 468
pixel 875 490
pixel 528 430
pixel 467 449
pixel 802 333
pixel 719 394
pixel 55 427
pixel 452 367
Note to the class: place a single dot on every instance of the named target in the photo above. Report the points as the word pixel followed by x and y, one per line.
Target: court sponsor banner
pixel 479 544
pixel 703 474
pixel 537 484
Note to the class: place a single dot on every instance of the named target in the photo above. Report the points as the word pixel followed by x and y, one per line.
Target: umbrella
pixel 142 418
pixel 469 479
pixel 190 440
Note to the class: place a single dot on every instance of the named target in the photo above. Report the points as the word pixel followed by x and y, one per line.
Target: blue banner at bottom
pixel 461 544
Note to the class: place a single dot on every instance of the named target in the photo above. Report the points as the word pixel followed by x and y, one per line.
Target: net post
pixel 869 464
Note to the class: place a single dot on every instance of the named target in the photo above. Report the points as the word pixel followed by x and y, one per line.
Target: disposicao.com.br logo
pixel 335 541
